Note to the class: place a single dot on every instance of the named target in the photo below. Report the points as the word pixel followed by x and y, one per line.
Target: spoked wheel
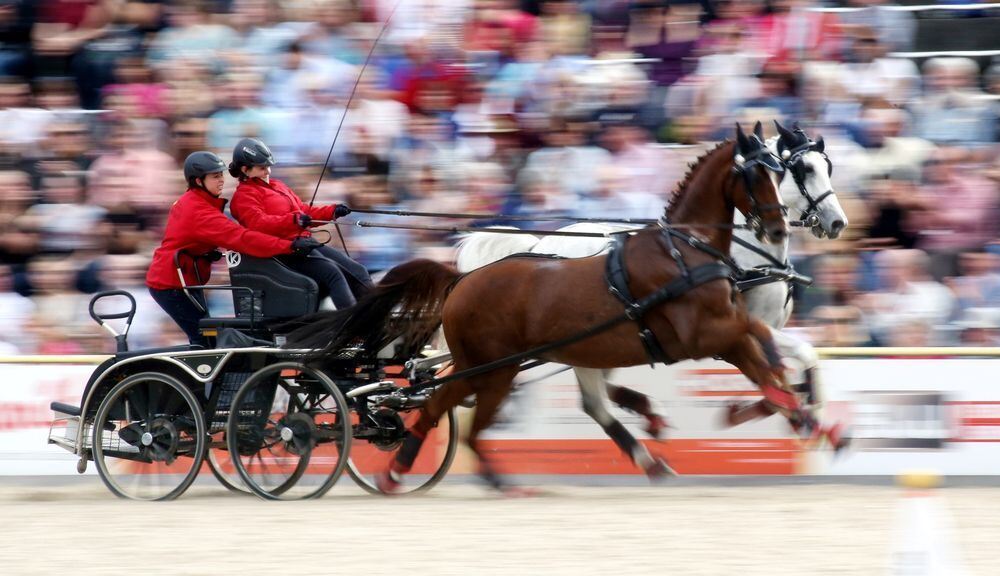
pixel 149 437
pixel 379 440
pixel 222 467
pixel 289 432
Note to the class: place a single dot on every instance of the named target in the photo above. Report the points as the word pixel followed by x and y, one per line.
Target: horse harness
pixel 793 160
pixel 617 278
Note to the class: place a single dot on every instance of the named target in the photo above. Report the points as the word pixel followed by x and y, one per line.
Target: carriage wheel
pixel 371 456
pixel 289 432
pixel 149 437
pixel 222 467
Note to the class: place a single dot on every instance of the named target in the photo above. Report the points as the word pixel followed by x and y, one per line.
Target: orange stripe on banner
pixel 980 421
pixel 715 371
pixel 687 456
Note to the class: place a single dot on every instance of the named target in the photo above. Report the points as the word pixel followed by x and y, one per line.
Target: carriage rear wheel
pixel 149 437
pixel 373 455
pixel 222 467
pixel 289 432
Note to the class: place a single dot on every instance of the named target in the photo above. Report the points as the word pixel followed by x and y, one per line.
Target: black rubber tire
pixel 282 492
pixel 450 451
pixel 101 432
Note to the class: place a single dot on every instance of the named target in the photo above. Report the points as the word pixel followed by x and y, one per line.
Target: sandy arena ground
pixel 464 529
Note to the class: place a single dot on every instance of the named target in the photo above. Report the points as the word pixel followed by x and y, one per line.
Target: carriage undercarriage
pixel 259 418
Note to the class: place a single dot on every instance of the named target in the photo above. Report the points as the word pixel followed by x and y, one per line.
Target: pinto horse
pixel 520 304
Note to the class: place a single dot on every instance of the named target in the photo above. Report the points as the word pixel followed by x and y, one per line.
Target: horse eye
pixel 809 169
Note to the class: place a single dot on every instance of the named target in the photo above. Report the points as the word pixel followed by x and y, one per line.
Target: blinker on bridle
pixel 744 166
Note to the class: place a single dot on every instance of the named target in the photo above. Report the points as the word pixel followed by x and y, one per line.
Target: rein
pixel 516 231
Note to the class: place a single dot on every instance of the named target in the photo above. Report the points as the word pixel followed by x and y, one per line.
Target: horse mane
pixel 694 168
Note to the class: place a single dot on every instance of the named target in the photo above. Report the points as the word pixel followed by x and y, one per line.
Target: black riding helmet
pixel 250 152
pixel 201 164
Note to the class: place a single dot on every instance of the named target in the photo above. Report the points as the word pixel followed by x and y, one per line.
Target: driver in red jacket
pixel 198 226
pixel 267 205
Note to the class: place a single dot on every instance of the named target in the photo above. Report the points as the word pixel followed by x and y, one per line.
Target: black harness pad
pixel 616 276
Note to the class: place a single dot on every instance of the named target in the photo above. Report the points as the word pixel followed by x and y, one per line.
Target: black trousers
pixel 344 279
pixel 179 307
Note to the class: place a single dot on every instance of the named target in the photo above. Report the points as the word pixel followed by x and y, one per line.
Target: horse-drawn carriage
pixel 257 415
pixel 290 420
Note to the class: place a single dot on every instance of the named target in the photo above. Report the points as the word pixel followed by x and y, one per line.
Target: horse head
pixel 759 171
pixel 811 169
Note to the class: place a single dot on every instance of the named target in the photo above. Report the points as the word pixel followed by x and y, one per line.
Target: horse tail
pixel 406 304
pixel 481 248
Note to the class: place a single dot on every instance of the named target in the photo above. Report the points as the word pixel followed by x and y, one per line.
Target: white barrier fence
pixel 905 408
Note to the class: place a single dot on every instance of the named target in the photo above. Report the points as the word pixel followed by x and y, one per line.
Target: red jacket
pixel 197 225
pixel 272 208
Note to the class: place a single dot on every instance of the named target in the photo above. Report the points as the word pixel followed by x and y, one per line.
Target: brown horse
pixel 518 304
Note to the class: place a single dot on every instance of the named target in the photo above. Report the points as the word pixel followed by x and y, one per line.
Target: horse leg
pixel 808 366
pixel 442 400
pixel 491 390
pixel 633 401
pixel 808 360
pixel 593 390
pixel 758 359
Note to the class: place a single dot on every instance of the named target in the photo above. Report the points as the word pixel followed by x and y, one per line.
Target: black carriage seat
pixel 279 294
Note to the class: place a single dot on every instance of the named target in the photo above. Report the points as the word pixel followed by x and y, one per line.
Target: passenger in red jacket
pixel 197 225
pixel 267 205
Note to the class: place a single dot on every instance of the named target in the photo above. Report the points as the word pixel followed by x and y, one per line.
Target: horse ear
pixel 787 138
pixel 820 145
pixel 758 129
pixel 742 143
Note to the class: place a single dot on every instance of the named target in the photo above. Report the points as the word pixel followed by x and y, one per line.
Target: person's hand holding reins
pixel 340 211
pixel 303 245
pixel 303 220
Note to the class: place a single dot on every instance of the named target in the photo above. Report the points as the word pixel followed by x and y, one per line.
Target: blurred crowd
pixel 582 108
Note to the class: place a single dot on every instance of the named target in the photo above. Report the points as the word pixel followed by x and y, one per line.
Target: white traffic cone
pixel 923 535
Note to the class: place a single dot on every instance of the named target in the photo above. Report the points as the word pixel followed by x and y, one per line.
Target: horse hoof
pixel 839 440
pixel 729 419
pixel 520 492
pixel 387 484
pixel 655 425
pixel 659 471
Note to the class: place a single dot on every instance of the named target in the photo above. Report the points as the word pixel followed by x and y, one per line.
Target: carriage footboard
pixel 65 426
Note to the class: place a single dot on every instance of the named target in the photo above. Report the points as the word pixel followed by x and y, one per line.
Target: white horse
pixel 809 196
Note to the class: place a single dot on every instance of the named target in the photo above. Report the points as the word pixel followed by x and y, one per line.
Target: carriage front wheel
pixel 289 432
pixel 149 437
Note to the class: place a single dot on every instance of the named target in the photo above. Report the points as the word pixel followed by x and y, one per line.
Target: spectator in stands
pixel 953 110
pixel 130 175
pixel 908 294
pixel 895 206
pixel 888 147
pixel 960 209
pixel 66 222
pixel 569 158
pixel 191 35
pixel 64 151
pixel 15 311
pixel 896 28
pixel 871 74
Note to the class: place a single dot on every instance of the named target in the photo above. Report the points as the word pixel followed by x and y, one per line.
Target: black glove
pixel 340 211
pixel 303 245
pixel 303 220
pixel 213 255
